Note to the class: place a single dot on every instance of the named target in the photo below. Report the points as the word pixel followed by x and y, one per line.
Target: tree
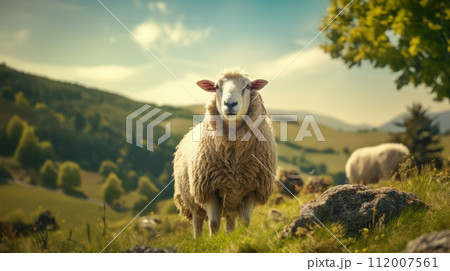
pixel 131 181
pixel 112 188
pixel 147 188
pixel 21 100
pixel 140 204
pixel 107 167
pixel 408 36
pixel 48 174
pixel 14 131
pixel 28 151
pixel 420 135
pixel 69 175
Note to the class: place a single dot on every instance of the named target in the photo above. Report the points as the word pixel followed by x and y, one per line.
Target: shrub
pixel 48 174
pixel 14 131
pixel 17 218
pixel 47 150
pixel 21 100
pixel 69 175
pixel 131 182
pixel 112 188
pixel 107 167
pixel 28 151
pixel 147 188
pixel 140 204
pixel 40 107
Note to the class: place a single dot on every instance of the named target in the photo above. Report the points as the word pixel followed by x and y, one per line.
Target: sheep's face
pixel 232 94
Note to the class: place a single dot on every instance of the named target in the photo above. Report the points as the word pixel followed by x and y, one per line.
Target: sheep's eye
pixel 217 87
pixel 247 87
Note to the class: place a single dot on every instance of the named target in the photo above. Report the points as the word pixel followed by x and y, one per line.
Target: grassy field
pixel 263 233
pixel 69 211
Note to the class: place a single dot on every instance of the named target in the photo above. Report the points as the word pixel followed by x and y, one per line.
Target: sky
pixel 80 41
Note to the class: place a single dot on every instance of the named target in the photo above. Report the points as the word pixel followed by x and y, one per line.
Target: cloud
pixel 310 61
pixel 152 34
pixel 160 6
pixel 105 73
pixel 170 92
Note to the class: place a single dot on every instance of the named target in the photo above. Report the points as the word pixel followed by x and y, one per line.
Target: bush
pixel 21 100
pixel 112 188
pixel 14 131
pixel 17 218
pixel 107 167
pixel 40 107
pixel 28 151
pixel 69 175
pixel 131 182
pixel 47 150
pixel 140 204
pixel 147 188
pixel 48 174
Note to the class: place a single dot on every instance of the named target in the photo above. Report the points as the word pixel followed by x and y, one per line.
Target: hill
pixel 443 118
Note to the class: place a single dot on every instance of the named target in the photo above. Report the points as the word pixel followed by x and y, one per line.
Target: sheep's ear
pixel 207 85
pixel 258 84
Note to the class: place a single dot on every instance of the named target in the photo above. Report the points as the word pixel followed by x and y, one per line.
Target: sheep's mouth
pixel 230 114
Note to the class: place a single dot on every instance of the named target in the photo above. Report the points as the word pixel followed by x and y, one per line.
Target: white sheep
pixel 372 164
pixel 218 176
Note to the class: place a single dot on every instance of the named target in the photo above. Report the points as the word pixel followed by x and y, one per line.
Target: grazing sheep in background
pixel 216 176
pixel 372 164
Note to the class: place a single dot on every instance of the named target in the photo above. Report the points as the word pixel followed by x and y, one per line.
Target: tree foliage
pixel 107 167
pixel 28 151
pixel 69 175
pixel 48 174
pixel 421 135
pixel 408 36
pixel 112 188
pixel 147 188
pixel 21 100
pixel 14 131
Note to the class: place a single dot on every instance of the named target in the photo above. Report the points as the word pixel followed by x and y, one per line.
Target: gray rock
pixel 435 242
pixel 147 249
pixel 318 184
pixel 353 206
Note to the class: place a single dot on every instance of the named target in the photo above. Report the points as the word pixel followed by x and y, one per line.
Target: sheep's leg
pixel 197 223
pixel 213 211
pixel 247 207
pixel 230 224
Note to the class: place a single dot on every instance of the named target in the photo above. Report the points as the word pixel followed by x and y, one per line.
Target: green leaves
pixel 410 37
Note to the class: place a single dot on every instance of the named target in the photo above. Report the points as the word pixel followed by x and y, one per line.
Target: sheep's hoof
pixel 213 227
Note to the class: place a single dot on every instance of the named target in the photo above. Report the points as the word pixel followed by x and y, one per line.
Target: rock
pixel 318 184
pixel 275 214
pixel 435 242
pixel 353 206
pixel 147 249
pixel 291 183
pixel 147 223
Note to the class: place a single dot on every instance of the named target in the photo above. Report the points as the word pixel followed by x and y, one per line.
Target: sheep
pixel 372 164
pixel 217 176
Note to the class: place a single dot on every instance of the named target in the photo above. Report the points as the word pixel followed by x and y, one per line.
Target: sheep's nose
pixel 230 104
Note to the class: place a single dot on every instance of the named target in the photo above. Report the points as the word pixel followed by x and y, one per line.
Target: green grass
pixel 261 236
pixel 69 211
